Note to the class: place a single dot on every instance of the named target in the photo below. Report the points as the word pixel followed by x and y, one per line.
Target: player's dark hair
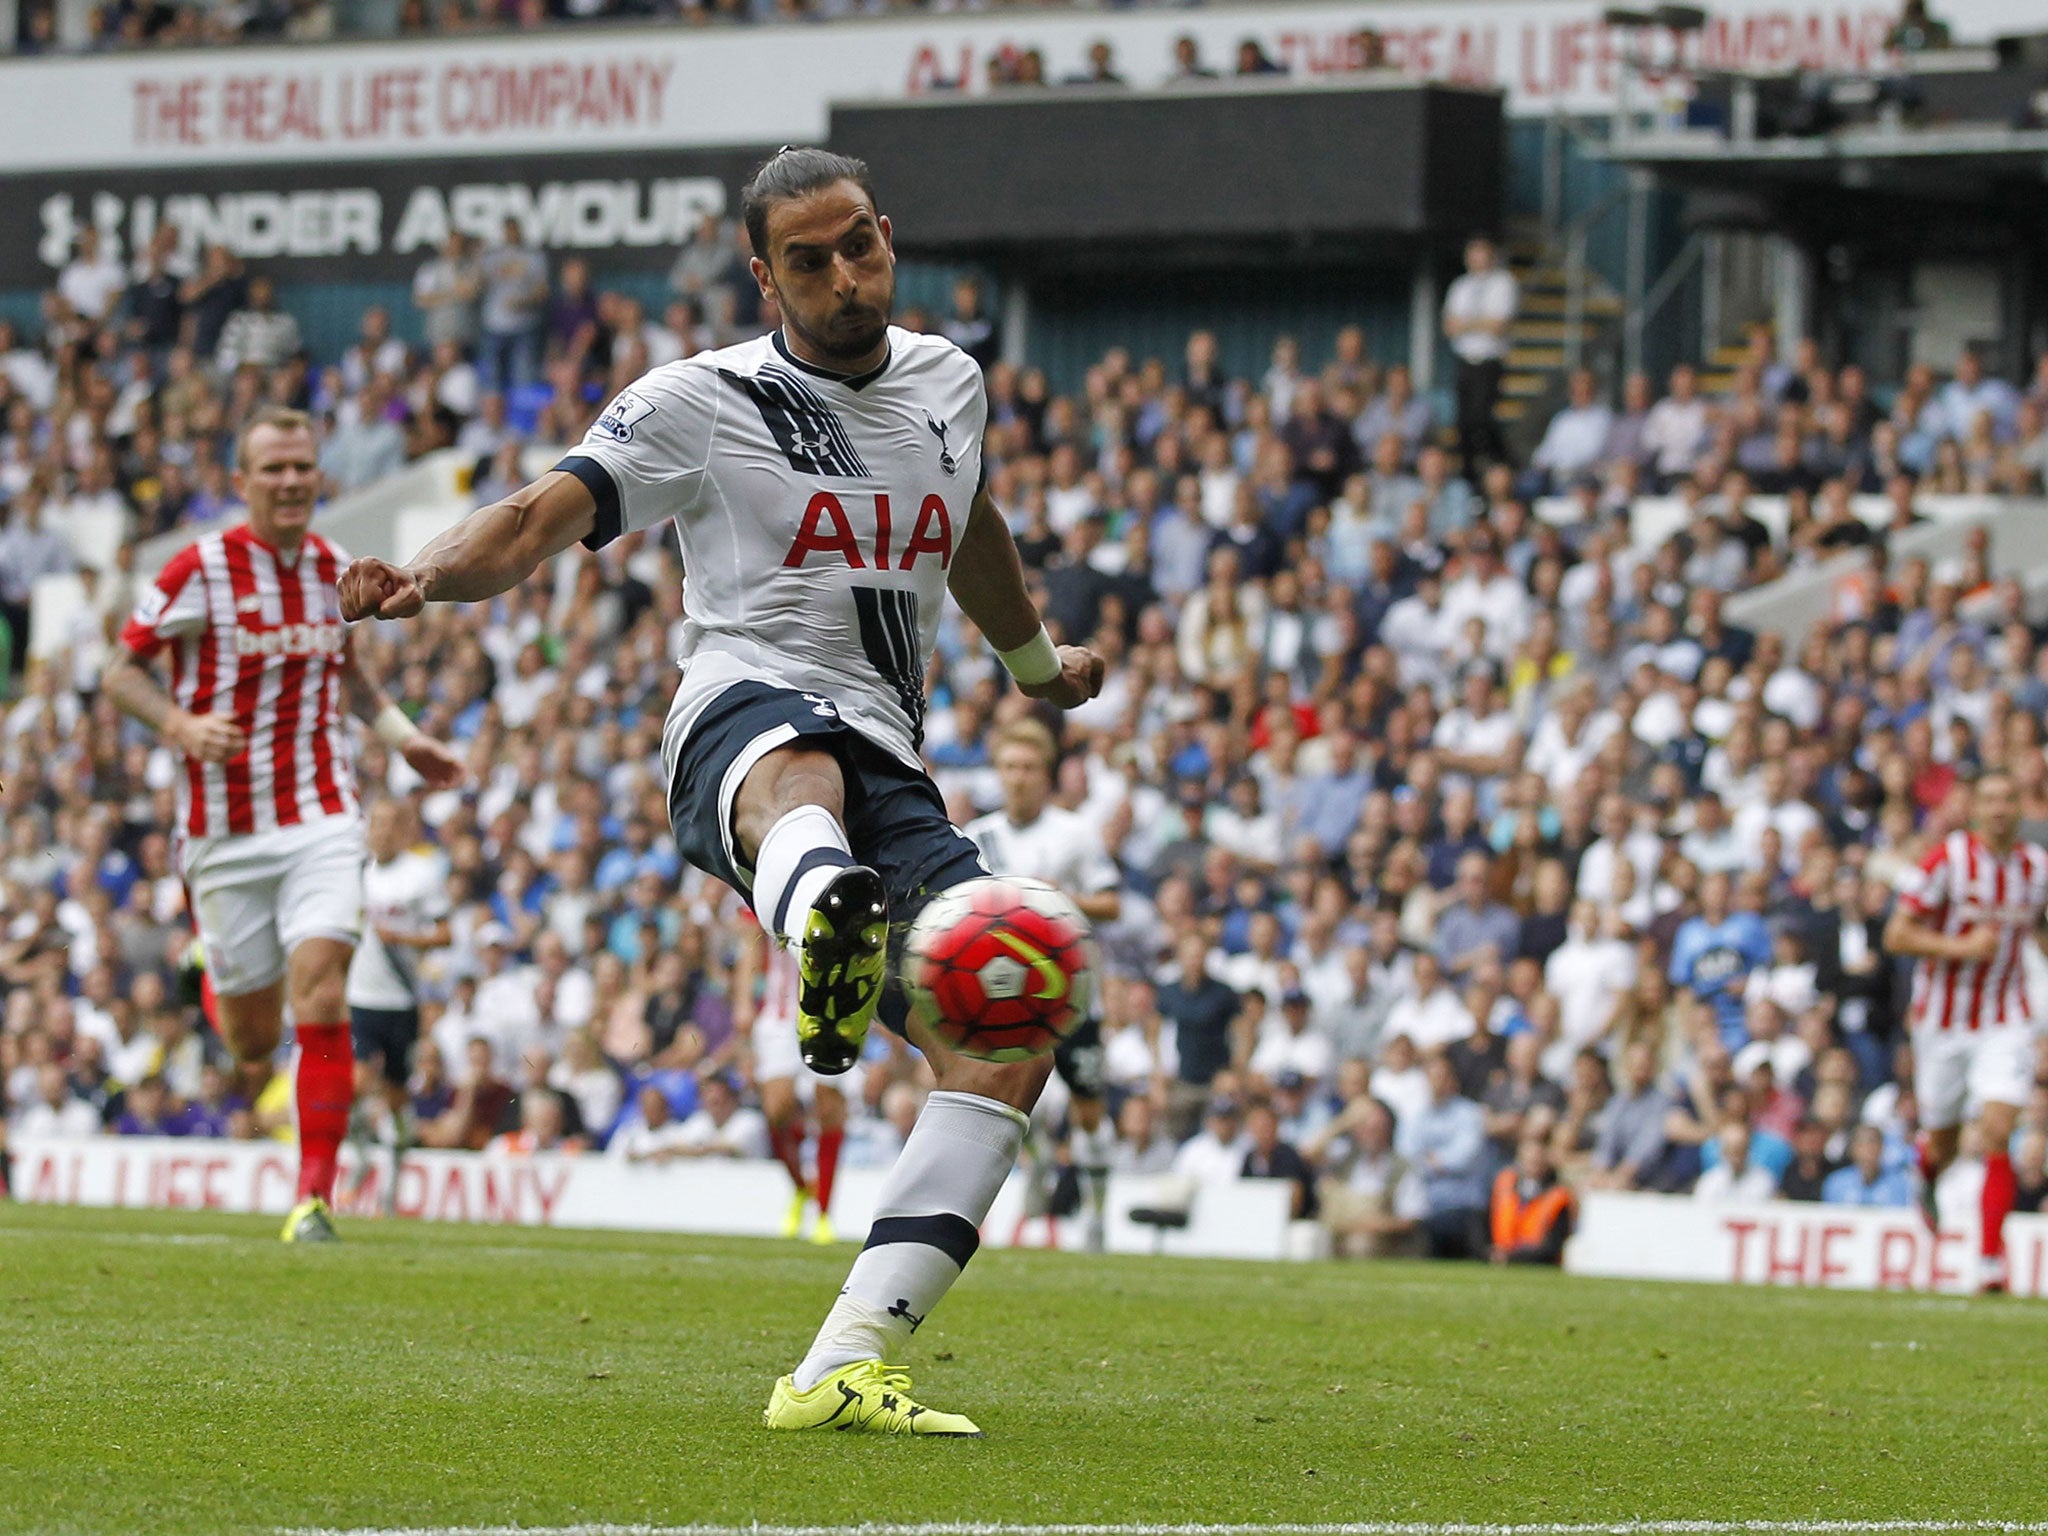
pixel 791 172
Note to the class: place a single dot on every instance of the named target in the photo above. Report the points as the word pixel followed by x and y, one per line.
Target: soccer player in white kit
pixel 405 913
pixel 270 842
pixel 826 484
pixel 1031 836
pixel 1976 899
pixel 790 1090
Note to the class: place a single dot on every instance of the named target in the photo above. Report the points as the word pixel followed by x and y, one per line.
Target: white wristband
pixel 1033 662
pixel 394 727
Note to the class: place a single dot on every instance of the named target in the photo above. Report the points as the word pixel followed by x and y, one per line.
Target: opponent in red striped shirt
pixel 1977 898
pixel 270 842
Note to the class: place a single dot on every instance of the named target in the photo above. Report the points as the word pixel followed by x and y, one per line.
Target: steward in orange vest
pixel 1531 1212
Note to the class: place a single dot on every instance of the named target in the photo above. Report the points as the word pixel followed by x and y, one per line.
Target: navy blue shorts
pixel 896 820
pixel 388 1035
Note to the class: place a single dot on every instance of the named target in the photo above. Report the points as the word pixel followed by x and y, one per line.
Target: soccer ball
pixel 1000 968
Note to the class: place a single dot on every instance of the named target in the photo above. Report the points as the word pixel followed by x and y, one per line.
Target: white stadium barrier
pixel 1622 1236
pixel 1784 1242
pixel 1242 1219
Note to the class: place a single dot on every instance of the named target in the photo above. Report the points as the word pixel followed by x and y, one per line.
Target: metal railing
pixel 1577 236
pixel 1642 311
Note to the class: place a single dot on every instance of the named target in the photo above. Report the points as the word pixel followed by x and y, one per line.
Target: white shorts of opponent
pixel 775 1057
pixel 1954 1069
pixel 257 896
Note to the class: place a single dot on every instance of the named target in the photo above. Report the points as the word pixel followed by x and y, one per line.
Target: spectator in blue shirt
pixel 640 854
pixel 1629 1145
pixel 1473 929
pixel 1713 954
pixel 1445 1141
pixel 1325 806
pixel 1767 1149
pixel 1867 1181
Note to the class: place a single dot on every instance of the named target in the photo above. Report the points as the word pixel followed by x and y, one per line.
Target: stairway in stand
pixel 1533 383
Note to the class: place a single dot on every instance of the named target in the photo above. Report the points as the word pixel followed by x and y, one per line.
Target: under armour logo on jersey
pixel 806 429
pixel 939 428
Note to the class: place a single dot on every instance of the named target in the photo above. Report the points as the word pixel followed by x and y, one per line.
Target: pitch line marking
pixel 1344 1528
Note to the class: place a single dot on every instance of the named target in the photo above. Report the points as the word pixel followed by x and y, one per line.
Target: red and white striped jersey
pixel 262 640
pixel 1962 885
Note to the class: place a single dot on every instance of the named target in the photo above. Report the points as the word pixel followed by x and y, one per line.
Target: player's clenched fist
pixel 377 589
pixel 1078 681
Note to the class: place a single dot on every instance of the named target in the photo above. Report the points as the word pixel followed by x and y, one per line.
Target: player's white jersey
pixel 407 895
pixel 819 516
pixel 1059 847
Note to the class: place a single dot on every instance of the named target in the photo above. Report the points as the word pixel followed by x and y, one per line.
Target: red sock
pixel 787 1143
pixel 325 1089
pixel 828 1163
pixel 2000 1190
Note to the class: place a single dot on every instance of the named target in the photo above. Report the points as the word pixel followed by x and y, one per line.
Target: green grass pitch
pixel 169 1372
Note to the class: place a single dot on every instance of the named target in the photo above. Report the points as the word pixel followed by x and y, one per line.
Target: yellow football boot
pixel 866 1395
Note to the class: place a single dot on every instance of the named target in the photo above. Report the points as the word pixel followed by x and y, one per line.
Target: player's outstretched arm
pixel 490 551
pixel 987 580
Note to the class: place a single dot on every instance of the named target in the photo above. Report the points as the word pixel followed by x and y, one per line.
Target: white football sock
pixel 927 1226
pixel 796 861
pixel 1091 1149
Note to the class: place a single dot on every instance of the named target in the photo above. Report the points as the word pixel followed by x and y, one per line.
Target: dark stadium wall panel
pixel 378 220
pixel 1055 170
pixel 1075 320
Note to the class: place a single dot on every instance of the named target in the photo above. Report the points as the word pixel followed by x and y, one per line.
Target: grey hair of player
pixel 795 171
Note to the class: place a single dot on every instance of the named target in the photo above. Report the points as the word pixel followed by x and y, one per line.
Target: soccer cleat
pixel 310 1222
pixel 793 1222
pixel 823 1232
pixel 840 970
pixel 866 1395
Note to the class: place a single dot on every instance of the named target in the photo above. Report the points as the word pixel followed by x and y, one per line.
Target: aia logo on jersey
pixel 939 428
pixel 290 640
pixel 826 530
pixel 622 414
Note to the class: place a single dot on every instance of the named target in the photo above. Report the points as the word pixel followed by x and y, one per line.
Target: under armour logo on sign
pixel 939 428
pixel 622 414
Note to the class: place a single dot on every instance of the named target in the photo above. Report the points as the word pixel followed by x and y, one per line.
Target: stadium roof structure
pixel 1966 128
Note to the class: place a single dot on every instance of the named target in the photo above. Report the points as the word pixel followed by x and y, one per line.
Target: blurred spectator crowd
pixel 1471 853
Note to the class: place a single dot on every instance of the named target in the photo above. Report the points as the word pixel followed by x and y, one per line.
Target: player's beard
pixel 852 332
